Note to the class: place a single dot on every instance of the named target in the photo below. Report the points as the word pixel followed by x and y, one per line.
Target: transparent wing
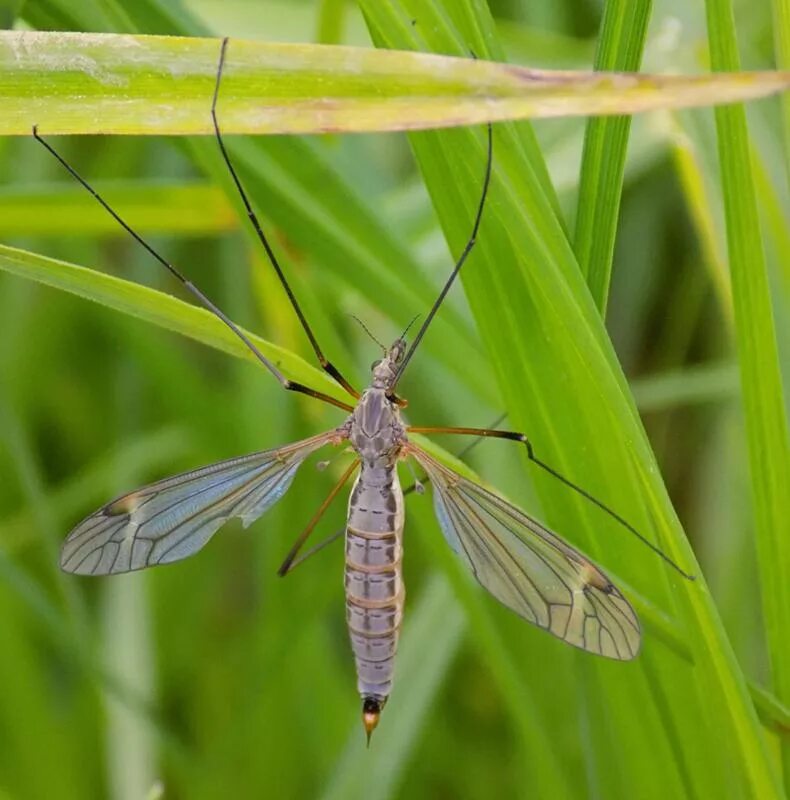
pixel 530 569
pixel 173 518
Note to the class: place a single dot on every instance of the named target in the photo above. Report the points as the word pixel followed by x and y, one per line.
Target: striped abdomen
pixel 374 583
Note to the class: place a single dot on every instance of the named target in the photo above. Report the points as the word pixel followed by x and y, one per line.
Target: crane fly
pixel 517 559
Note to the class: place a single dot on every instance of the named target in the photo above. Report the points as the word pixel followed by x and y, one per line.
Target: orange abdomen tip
pixel 371 712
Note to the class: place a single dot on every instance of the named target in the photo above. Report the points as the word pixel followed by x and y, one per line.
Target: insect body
pixel 516 558
pixel 374 584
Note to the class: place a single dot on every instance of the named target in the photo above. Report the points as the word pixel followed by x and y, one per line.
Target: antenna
pixel 367 331
pixel 414 319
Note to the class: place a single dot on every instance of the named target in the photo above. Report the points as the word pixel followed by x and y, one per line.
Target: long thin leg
pixel 458 264
pixel 291 386
pixel 326 365
pixel 304 535
pixel 515 436
pixel 285 570
pixel 460 455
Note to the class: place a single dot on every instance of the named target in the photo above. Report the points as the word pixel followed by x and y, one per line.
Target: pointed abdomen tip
pixel 371 712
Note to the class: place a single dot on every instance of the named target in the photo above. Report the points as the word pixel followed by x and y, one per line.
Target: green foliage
pixel 761 380
pixel 213 678
pixel 622 39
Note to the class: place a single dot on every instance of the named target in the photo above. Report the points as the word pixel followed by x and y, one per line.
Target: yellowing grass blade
pixel 106 83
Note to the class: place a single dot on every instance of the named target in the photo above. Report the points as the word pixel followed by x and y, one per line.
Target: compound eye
pixel 375 364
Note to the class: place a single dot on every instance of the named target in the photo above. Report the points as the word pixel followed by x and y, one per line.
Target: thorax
pixel 375 429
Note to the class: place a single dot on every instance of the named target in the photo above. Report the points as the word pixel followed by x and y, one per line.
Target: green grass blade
pixel 8 12
pixel 773 713
pixel 620 47
pixel 782 47
pixel 562 384
pixel 761 382
pixel 697 186
pixel 775 219
pixel 704 383
pixel 157 308
pixel 163 85
pixel 131 744
pixel 331 17
pixel 175 208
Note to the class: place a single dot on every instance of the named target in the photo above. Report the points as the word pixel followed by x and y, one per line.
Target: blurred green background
pixel 214 678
